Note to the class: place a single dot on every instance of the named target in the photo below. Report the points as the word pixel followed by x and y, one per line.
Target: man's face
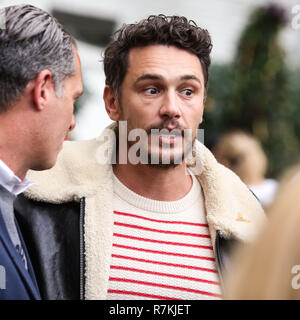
pixel 59 119
pixel 163 89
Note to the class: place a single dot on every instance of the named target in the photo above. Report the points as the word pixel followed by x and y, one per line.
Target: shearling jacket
pixel 67 217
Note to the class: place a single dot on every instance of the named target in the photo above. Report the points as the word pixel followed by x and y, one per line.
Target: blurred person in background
pixel 270 268
pixel 40 78
pixel 243 154
pixel 135 230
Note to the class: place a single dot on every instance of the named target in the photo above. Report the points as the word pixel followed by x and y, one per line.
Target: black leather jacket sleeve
pixel 51 233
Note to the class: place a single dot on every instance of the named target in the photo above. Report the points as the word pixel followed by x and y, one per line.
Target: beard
pixel 164 149
pixel 174 160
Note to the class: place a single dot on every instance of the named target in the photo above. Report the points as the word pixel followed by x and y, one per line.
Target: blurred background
pixel 255 75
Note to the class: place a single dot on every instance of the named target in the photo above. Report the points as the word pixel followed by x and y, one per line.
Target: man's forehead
pixel 162 61
pixel 77 77
pixel 161 51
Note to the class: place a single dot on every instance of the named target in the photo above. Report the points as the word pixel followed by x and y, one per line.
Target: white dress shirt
pixel 11 186
pixel 11 182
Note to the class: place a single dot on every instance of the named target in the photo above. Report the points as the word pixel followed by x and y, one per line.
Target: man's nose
pixel 170 107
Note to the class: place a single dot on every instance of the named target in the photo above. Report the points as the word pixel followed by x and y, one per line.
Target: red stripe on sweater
pixel 162 221
pixel 163 263
pixel 163 242
pixel 161 231
pixel 164 274
pixel 163 252
pixel 166 286
pixel 140 294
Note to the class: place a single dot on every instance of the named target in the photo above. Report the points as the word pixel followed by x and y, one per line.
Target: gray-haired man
pixel 40 79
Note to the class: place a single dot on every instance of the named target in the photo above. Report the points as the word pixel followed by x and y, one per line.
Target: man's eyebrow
pixel 149 76
pixel 190 77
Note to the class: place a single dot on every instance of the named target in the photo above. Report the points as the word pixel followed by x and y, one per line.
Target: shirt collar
pixel 11 182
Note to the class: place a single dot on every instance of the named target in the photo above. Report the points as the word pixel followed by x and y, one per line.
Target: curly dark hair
pixel 156 29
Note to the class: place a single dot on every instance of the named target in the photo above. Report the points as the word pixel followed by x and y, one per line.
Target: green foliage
pixel 257 92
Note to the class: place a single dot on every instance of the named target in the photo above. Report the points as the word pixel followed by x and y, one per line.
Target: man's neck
pixel 10 154
pixel 14 166
pixel 15 143
pixel 163 184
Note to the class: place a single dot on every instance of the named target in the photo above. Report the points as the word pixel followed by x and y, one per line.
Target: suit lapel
pixel 35 290
pixel 15 257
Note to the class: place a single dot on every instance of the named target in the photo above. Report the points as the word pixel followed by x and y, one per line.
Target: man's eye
pixel 187 92
pixel 151 91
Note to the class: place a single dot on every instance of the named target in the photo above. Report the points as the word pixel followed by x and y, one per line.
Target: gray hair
pixel 31 40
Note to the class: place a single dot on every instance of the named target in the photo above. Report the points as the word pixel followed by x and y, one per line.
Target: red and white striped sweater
pixel 161 250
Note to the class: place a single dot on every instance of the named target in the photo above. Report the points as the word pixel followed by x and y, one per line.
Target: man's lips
pixel 166 136
pixel 166 132
pixel 168 139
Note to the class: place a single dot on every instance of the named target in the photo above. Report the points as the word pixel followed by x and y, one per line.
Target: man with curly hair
pixel 156 214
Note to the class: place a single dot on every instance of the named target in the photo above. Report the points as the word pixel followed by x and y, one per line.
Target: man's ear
pixel 111 103
pixel 43 87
